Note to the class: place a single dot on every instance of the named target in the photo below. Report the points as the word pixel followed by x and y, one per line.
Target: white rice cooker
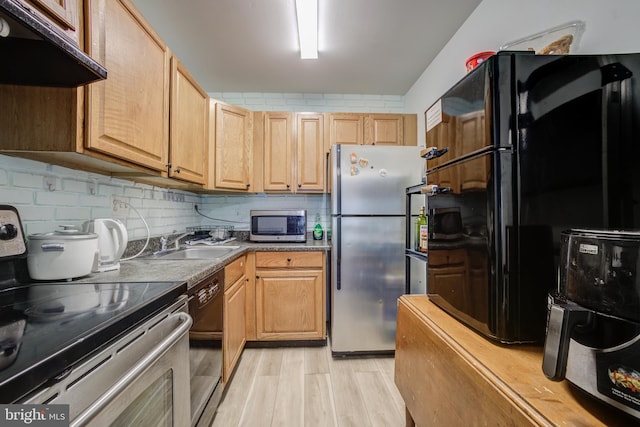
pixel 64 254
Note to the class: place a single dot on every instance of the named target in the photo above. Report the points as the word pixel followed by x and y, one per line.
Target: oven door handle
pixel 136 371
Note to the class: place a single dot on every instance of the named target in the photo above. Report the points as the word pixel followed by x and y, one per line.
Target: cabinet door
pixel 63 12
pixel 278 151
pixel 289 304
pixel 234 332
pixel 232 148
pixel 310 153
pixel 128 113
pixel 189 126
pixel 384 129
pixel 346 128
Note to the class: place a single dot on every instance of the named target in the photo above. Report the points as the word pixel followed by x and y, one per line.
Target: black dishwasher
pixel 205 347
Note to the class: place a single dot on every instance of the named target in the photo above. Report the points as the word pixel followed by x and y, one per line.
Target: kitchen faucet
pixel 164 242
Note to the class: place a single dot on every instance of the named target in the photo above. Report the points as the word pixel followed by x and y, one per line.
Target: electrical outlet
pixel 119 206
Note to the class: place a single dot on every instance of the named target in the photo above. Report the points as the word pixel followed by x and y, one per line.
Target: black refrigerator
pixel 524 147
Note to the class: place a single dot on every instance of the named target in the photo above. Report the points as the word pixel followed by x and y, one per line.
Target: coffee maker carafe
pixel 593 325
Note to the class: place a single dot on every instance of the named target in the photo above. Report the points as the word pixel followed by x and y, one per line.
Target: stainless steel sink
pixel 200 252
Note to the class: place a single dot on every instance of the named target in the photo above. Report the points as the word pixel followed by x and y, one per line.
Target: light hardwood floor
pixel 305 386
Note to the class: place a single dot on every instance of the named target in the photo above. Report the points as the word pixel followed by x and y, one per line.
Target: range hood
pixel 33 54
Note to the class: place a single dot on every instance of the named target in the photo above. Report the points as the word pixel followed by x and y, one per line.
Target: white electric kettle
pixel 112 241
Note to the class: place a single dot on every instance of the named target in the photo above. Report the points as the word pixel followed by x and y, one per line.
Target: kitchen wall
pixel 315 102
pixel 611 26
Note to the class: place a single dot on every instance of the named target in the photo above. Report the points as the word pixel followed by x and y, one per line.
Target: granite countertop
pixel 192 271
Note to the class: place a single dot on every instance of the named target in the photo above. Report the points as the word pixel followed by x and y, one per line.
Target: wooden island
pixel 449 375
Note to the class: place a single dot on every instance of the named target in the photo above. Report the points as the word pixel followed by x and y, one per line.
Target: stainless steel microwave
pixel 278 225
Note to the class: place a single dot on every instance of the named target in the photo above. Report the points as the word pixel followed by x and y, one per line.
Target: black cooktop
pixel 46 328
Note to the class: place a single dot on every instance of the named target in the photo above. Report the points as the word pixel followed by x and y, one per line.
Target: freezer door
pixel 368 278
pixel 372 180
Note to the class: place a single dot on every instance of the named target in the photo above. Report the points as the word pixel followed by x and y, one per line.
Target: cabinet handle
pixel 288 259
pixel 178 170
pixel 257 277
pixel 299 185
pixel 288 186
pixel 168 165
pixel 248 185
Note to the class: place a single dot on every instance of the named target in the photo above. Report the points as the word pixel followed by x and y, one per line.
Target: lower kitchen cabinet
pixel 290 295
pixel 234 331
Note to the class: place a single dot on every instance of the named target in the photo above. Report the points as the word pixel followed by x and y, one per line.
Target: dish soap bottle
pixel 421 231
pixel 317 230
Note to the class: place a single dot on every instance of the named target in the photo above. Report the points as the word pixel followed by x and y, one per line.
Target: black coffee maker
pixel 593 324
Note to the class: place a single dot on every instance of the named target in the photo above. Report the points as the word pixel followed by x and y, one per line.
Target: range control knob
pixel 8 232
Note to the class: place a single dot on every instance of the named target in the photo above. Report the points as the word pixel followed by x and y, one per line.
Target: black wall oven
pixel 535 144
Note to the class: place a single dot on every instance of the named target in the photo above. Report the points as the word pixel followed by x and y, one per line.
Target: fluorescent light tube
pixel 307 13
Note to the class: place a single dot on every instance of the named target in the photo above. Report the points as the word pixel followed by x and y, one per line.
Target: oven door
pixel 142 379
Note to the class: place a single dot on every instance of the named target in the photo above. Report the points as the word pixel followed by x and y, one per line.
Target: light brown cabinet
pixel 290 295
pixel 310 153
pixel 384 129
pixel 293 152
pixel 230 168
pixel 128 113
pixel 62 15
pixel 234 313
pixel 278 152
pixel 189 126
pixel 372 129
pixel 346 128
pixel 118 126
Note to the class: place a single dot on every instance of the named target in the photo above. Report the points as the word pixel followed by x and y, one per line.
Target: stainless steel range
pixel 114 352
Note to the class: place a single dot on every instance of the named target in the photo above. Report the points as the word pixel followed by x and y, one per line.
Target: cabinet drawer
pixel 289 259
pixel 234 271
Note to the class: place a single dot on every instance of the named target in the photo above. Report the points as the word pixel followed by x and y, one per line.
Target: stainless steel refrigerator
pixel 368 201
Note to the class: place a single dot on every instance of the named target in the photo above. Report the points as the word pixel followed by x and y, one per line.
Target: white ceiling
pixel 365 46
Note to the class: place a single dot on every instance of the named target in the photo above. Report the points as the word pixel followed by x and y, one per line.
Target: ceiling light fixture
pixel 307 14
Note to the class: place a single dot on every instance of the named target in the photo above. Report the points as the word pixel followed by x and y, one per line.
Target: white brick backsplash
pixel 316 102
pixel 27 180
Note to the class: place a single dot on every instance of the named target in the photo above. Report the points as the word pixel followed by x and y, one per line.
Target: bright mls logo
pixel 34 415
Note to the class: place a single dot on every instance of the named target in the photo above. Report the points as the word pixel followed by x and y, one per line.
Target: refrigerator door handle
pixel 338 252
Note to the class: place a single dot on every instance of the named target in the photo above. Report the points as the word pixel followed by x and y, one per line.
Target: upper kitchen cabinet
pixel 391 129
pixel 346 128
pixel 310 153
pixel 118 126
pixel 293 152
pixel 189 126
pixel 230 168
pixel 62 14
pixel 128 114
pixel 373 129
pixel 278 152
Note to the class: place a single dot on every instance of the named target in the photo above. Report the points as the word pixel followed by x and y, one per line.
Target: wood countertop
pixel 449 375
